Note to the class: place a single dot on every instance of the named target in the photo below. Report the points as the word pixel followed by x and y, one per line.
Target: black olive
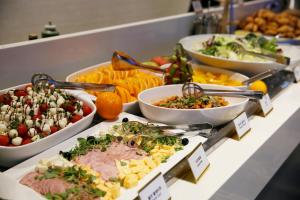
pixel 90 138
pixel 184 141
pixel 119 138
pixel 131 143
pixel 66 155
pixel 125 119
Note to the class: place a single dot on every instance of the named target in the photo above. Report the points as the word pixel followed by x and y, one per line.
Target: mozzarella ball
pixel 60 101
pixel 14 97
pixel 46 128
pixel 37 123
pixel 4 108
pixel 35 109
pixel 13 133
pixel 30 92
pixel 35 138
pixel 27 109
pixel 32 132
pixel 52 104
pixel 17 141
pixel 7 117
pixel 50 122
pixel 29 123
pixel 62 122
pixel 2 127
pixel 52 111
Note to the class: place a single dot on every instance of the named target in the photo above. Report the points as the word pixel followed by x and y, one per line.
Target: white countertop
pixel 232 154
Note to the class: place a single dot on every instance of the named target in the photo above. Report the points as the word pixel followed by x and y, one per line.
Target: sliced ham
pixel 104 162
pixel 44 186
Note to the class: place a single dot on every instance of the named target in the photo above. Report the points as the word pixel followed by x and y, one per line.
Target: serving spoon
pixel 193 89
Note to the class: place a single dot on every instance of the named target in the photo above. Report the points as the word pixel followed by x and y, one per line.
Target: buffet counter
pixel 241 169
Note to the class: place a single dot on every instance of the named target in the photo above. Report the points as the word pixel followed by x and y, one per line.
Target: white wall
pixel 18 18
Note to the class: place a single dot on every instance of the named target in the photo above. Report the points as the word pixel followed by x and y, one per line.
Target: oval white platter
pixel 193 43
pixel 18 171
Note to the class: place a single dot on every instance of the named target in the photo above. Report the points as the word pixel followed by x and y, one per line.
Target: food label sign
pixel 266 104
pixel 241 124
pixel 155 190
pixel 198 162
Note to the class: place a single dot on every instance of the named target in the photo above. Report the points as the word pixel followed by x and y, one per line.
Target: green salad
pixel 221 46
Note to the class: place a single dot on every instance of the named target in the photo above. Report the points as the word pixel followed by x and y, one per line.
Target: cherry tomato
pixel 37 116
pixel 5 99
pixel 20 93
pixel 43 107
pixel 53 129
pixel 160 60
pixel 68 107
pixel 28 102
pixel 75 118
pixel 22 130
pixel 86 110
pixel 26 141
pixel 4 140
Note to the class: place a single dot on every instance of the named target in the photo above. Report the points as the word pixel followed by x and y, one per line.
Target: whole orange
pixel 109 105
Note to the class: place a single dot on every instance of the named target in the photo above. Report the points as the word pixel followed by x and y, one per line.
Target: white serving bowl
pixel 214 116
pixel 10 156
pixel 193 43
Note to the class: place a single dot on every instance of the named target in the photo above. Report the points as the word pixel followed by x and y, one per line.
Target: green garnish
pixel 191 102
pixel 74 175
pixel 149 134
pixel 84 145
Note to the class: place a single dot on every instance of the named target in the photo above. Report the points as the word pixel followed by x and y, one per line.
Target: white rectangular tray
pixel 18 171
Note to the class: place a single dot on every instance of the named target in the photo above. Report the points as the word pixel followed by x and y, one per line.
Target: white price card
pixel 297 73
pixel 266 104
pixel 198 162
pixel 155 190
pixel 241 124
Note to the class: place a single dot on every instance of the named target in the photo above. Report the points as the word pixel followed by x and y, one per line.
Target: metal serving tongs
pixel 239 49
pixel 189 130
pixel 122 61
pixel 44 79
pixel 192 89
pixel 260 76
